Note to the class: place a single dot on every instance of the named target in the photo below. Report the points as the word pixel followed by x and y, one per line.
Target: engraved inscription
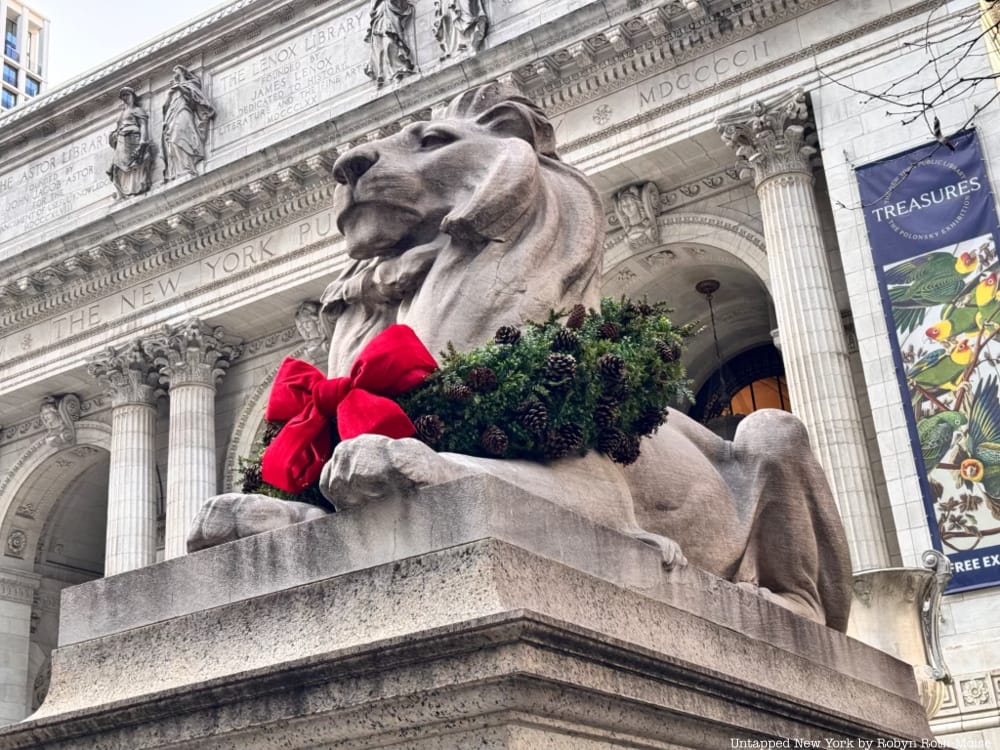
pixel 167 287
pixel 54 185
pixel 290 77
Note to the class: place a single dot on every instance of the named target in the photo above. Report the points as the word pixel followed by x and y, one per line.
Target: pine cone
pixel 576 317
pixel 612 367
pixel 252 479
pixel 627 452
pixel 668 352
pixel 565 340
pixel 605 414
pixel 645 309
pixel 507 335
pixel 609 331
pixel 610 441
pixel 457 392
pixel 430 428
pixel 534 416
pixel 564 440
pixel 649 420
pixel 494 441
pixel 271 430
pixel 560 368
pixel 482 379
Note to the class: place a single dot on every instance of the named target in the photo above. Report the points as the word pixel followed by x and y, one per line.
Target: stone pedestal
pixel 471 615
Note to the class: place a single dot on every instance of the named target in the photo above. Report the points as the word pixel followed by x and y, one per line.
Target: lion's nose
pixel 347 170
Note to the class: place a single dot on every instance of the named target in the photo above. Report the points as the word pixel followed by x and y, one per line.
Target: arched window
pixel 749 381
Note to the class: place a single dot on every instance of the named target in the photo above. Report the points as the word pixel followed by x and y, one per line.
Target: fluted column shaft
pixel 132 380
pixel 770 140
pixel 191 460
pixel 193 358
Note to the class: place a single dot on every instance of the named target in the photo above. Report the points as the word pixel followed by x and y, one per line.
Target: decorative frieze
pixel 16 586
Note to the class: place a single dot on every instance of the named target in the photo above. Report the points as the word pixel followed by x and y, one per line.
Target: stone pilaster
pixel 17 591
pixel 770 141
pixel 193 357
pixel 132 380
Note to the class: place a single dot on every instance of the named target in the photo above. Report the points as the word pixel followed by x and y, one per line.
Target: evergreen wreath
pixel 601 380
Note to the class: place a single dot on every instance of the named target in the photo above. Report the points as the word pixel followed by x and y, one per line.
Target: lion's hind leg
pixel 797 551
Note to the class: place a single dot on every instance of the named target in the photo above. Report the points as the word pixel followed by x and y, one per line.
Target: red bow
pixel 393 362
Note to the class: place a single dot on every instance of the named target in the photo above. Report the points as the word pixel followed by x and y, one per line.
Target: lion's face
pixel 404 190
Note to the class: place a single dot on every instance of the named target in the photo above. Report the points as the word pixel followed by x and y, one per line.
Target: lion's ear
pixel 520 118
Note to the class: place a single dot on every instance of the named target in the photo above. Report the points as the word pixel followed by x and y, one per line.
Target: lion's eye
pixel 435 138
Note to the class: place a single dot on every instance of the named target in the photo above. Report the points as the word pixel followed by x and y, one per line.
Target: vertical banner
pixel 932 225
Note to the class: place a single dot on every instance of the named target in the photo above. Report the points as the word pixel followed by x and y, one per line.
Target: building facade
pixel 25 53
pixel 166 228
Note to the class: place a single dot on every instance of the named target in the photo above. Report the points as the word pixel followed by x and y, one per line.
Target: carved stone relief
pixel 187 114
pixel 58 414
pixel 636 208
pixel 389 56
pixel 459 26
pixel 310 325
pixel 129 170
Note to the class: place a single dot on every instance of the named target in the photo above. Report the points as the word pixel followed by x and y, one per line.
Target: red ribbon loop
pixel 392 363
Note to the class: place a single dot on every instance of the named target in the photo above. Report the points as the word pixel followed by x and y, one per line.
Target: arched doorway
pixel 55 514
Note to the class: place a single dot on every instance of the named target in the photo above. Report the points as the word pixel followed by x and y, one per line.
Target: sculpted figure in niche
pixel 129 170
pixel 187 114
pixel 389 56
pixel 459 26
pixel 463 224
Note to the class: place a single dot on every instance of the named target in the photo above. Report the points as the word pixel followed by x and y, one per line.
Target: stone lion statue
pixel 471 221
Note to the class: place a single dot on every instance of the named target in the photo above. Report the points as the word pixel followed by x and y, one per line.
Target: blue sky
pixel 86 33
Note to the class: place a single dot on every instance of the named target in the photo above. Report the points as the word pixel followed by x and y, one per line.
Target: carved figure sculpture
pixel 310 327
pixel 129 170
pixel 187 114
pixel 58 416
pixel 635 210
pixel 459 26
pixel 467 223
pixel 389 56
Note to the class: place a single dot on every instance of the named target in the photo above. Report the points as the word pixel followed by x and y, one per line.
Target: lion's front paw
pixel 232 516
pixel 372 467
pixel 669 549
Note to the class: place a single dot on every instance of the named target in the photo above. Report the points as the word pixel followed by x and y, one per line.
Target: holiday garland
pixel 597 380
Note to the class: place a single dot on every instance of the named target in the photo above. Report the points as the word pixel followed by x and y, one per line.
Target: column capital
pixel 770 137
pixel 193 352
pixel 128 373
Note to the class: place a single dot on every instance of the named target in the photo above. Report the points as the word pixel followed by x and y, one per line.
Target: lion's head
pixel 472 174
pixel 461 224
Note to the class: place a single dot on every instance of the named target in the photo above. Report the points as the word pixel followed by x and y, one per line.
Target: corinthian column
pixel 193 357
pixel 770 142
pixel 132 380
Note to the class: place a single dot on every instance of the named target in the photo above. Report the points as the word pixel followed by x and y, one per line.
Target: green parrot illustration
pixel 935 434
pixel 983 464
pixel 941 369
pixel 933 279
